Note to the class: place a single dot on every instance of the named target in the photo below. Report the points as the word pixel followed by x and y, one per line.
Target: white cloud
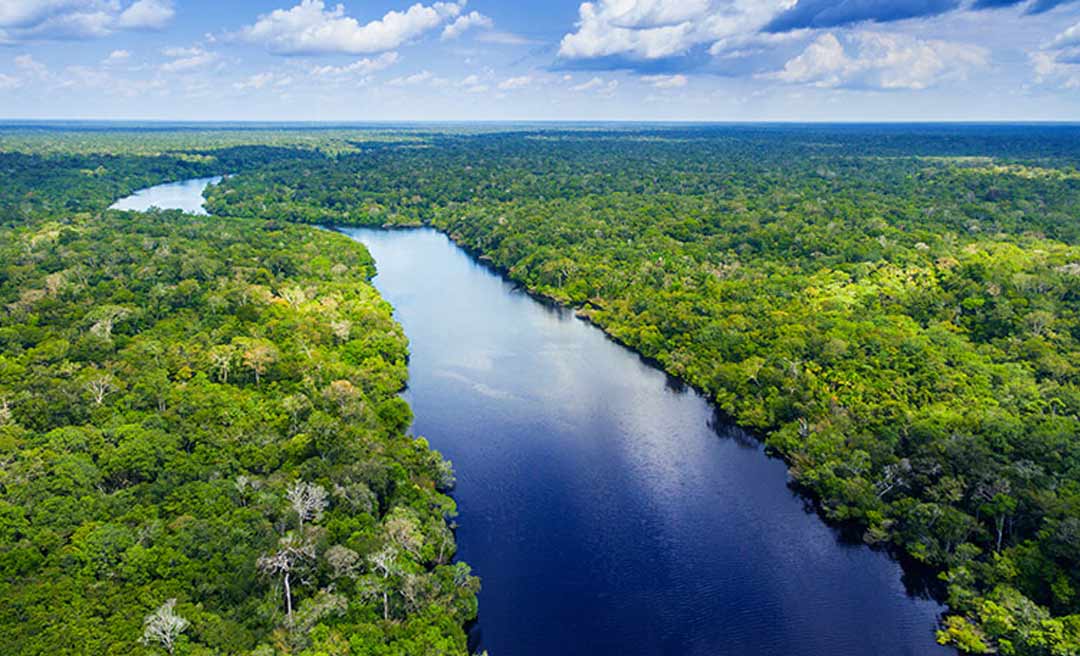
pixel 257 81
pixel 28 13
pixel 465 23
pixel 666 81
pixel 1049 69
pixel 187 59
pixel 146 14
pixel 365 66
pixel 598 85
pixel 116 57
pixel 22 20
pixel 1067 39
pixel 309 28
pixel 880 61
pixel 1058 62
pixel 656 29
pixel 412 80
pixel 9 82
pixel 473 84
pixel 177 51
pixel 506 39
pixel 30 65
pixel 512 83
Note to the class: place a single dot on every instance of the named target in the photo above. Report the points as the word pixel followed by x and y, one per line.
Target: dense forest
pixel 894 308
pixel 203 446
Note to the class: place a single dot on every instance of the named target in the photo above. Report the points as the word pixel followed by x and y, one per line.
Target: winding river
pixel 605 507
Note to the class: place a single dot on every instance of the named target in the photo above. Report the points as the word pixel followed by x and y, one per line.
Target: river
pixel 186 195
pixel 604 506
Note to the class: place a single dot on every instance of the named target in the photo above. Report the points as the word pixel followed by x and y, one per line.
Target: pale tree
pixel 5 410
pixel 308 500
pixel 163 627
pixel 893 476
pixel 404 531
pixel 342 560
pixel 342 329
pixel 258 356
pixel 99 384
pixel 292 553
pixel 294 296
pixel 222 357
pixel 384 564
pixel 345 395
pixel 105 318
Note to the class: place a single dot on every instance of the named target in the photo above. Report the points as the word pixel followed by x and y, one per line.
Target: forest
pixel 203 446
pixel 893 309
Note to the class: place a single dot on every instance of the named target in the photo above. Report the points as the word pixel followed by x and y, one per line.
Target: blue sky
pixel 385 60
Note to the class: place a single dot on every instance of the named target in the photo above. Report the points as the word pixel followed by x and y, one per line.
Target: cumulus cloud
pixel 649 30
pixel 365 66
pixel 9 82
pixel 23 20
pixel 1053 68
pixel 146 14
pixel 666 81
pixel 311 28
pixel 880 61
pixel 1058 61
pixel 466 22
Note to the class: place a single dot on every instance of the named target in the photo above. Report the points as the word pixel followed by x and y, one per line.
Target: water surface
pixel 601 503
pixel 186 195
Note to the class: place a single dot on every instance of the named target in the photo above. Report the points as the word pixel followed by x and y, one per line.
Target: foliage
pixel 181 396
pixel 895 308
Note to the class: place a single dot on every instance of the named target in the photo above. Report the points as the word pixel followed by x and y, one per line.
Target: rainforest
pixel 205 448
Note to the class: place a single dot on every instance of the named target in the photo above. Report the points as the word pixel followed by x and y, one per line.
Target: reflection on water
pixel 608 509
pixel 185 195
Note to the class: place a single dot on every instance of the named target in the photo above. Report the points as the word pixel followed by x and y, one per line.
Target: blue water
pixel 185 195
pixel 606 509
pixel 601 503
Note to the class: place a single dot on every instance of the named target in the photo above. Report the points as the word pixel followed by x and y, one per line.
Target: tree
pixel 221 358
pixel 292 552
pixel 99 384
pixel 308 500
pixel 384 563
pixel 163 626
pixel 258 356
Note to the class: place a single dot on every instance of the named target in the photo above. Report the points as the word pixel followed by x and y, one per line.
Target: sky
pixel 452 60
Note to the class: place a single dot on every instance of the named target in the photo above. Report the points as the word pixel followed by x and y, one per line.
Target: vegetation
pixel 202 445
pixel 894 308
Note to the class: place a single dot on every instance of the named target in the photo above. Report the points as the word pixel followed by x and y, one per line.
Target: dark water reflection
pixel 606 508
